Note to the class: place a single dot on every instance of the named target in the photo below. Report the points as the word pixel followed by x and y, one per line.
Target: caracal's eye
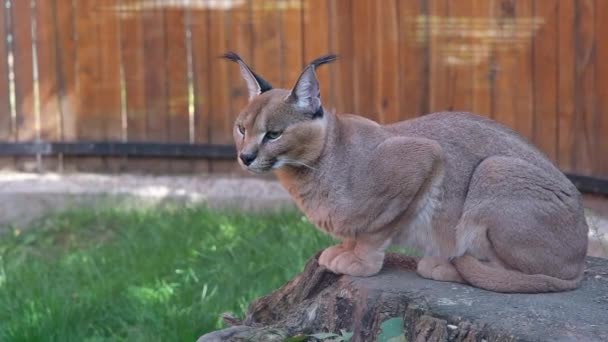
pixel 272 135
pixel 241 129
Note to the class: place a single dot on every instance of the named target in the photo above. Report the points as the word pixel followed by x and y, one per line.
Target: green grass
pixel 144 275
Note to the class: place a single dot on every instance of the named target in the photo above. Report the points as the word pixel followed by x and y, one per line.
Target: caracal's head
pixel 280 127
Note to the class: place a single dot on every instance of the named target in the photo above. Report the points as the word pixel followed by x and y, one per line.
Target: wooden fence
pixel 146 71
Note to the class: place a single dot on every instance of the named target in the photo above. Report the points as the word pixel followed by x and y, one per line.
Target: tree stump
pixel 318 301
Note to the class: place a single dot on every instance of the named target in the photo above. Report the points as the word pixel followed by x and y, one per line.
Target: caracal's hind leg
pixel 522 229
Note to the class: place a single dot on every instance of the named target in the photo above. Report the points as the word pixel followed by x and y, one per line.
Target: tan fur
pixel 483 205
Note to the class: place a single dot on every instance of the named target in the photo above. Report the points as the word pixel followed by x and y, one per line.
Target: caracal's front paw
pixel 350 264
pixel 438 269
pixel 330 253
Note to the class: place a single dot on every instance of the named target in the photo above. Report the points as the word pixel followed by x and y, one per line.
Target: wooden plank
pixel 222 113
pixel 109 87
pixel 506 58
pixel 6 124
pixel 134 68
pixel 386 80
pixel 566 84
pixel 316 42
pixel 483 57
pixel 66 67
pixel 364 29
pixel 388 103
pixel 413 66
pixel 27 130
pixel 199 26
pixel 524 101
pixel 6 129
pixel 46 52
pixel 132 48
pixel 241 40
pixel 155 88
pixel 460 56
pixel 342 42
pixel 291 42
pixel 545 78
pixel 65 31
pixel 584 101
pixel 513 97
pixel 600 167
pixel 439 94
pixel 177 77
pixel 266 40
pixel 89 119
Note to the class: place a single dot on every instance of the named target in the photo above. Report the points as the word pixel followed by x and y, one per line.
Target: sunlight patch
pixel 228 229
pixel 161 292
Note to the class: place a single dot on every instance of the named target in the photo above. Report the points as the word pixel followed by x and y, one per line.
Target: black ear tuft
pixel 323 60
pixel 232 56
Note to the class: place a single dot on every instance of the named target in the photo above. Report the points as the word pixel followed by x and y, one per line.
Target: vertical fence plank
pixel 513 87
pixel 600 156
pixel 89 118
pixel 364 29
pixel 132 51
pixel 413 66
pixel 342 40
pixel 177 78
pixel 483 26
pixel 6 125
pixel 24 78
pixel 266 40
pixel 460 61
pixel 110 83
pixel 566 72
pixel 134 68
pixel 6 132
pixel 221 114
pixel 388 103
pixel 132 47
pixel 291 38
pixel 545 69
pixel 241 43
pixel 65 31
pixel 438 77
pixel 155 88
pixel 524 103
pixel 505 58
pixel 46 50
pixel 584 44
pixel 199 27
pixel 316 41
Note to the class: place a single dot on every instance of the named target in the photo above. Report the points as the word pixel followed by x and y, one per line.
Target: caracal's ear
pixel 255 84
pixel 305 94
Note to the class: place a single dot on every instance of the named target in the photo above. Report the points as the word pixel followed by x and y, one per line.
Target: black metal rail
pixel 119 149
pixel 585 184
